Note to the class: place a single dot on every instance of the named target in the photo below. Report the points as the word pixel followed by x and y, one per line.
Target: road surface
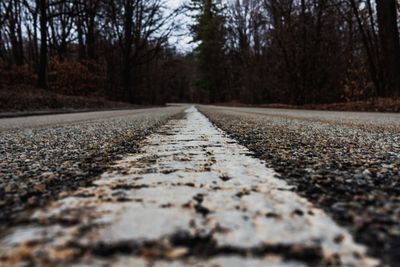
pixel 347 163
pixel 65 119
pixel 41 156
pixel 189 195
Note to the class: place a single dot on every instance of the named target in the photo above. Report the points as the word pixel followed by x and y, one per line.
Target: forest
pixel 294 52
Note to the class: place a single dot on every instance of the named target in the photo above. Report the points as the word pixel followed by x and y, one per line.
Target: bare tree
pixel 43 59
pixel 141 28
pixel 12 19
pixel 390 45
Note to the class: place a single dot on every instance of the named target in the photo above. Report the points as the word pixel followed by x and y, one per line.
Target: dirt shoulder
pixel 36 101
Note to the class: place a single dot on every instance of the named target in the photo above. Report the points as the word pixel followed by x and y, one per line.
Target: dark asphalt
pixel 42 156
pixel 347 163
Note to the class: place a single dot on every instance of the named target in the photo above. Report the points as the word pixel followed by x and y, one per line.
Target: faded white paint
pixel 192 181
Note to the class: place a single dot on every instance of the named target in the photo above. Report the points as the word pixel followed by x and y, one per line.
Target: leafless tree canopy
pixel 253 51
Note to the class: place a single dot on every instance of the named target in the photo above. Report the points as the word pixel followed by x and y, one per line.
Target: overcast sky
pixel 174 3
pixel 182 42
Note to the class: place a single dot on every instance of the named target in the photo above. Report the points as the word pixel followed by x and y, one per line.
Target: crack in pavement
pixel 191 197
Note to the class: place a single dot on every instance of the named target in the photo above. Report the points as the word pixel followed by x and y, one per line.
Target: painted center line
pixel 192 197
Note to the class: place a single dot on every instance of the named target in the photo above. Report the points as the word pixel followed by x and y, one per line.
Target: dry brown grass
pixel 72 86
pixel 17 99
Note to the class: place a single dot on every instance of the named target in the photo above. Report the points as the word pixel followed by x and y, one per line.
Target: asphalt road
pixel 372 118
pixel 65 119
pixel 345 163
pixel 41 156
pixel 190 197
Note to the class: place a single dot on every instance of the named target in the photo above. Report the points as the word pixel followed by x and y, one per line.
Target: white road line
pixel 192 197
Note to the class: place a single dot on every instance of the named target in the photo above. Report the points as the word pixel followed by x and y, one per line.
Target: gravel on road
pixel 43 156
pixel 348 164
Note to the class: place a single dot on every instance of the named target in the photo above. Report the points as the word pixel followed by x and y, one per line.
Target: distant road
pixel 62 119
pixel 333 116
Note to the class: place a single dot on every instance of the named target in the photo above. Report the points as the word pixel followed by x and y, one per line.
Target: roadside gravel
pixel 37 163
pixel 349 169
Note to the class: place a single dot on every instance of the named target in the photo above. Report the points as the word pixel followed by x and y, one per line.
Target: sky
pixel 174 3
pixel 182 42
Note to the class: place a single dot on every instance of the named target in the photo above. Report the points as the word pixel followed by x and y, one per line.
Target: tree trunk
pixel 390 45
pixel 2 49
pixel 42 71
pixel 81 44
pixel 21 55
pixel 374 64
pixel 35 39
pixel 303 92
pixel 127 51
pixel 91 44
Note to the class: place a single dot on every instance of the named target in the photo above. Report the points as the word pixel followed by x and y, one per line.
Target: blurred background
pixel 283 53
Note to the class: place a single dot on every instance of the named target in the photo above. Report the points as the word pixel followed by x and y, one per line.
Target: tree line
pixel 120 47
pixel 252 51
pixel 297 51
